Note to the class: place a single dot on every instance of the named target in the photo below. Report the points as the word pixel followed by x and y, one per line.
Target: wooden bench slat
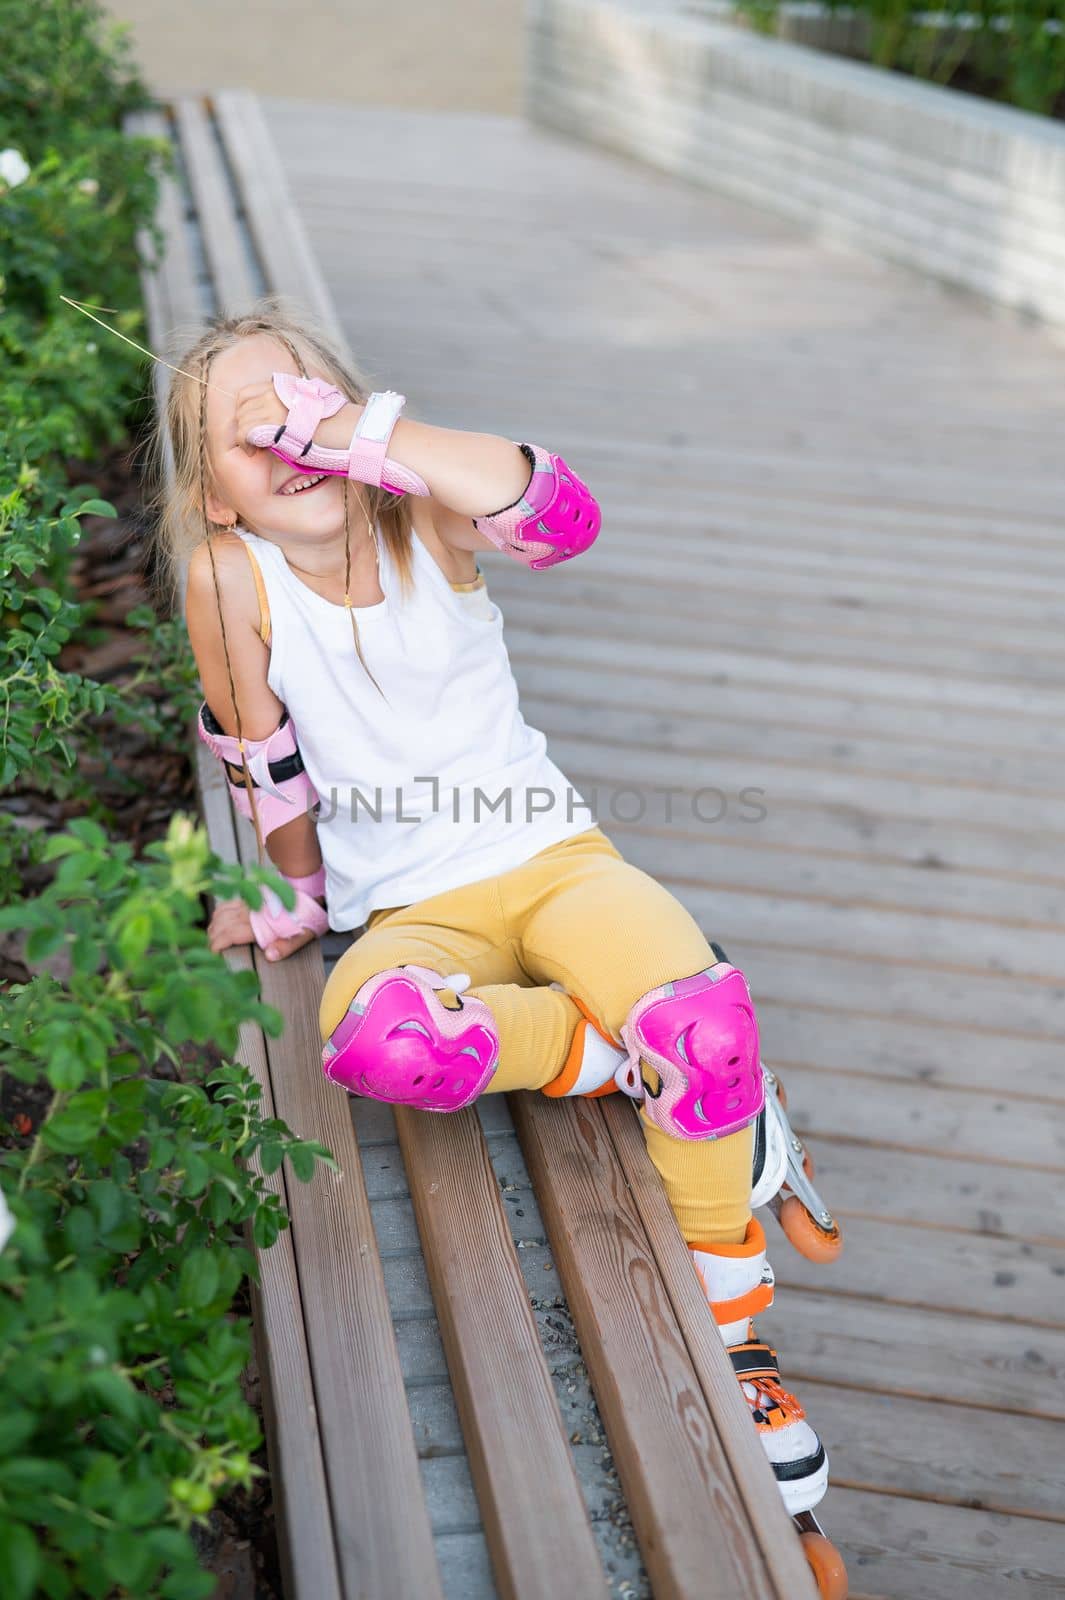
pixel 744 1454
pixel 288 262
pixel 235 286
pixel 666 1417
pixel 301 1496
pixel 506 1403
pixel 382 1529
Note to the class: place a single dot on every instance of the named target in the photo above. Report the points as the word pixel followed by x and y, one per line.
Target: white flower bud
pixel 14 169
pixel 89 186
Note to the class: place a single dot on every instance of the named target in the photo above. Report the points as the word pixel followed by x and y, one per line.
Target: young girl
pixel 350 656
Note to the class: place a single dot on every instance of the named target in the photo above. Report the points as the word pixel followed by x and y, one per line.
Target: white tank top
pixel 442 785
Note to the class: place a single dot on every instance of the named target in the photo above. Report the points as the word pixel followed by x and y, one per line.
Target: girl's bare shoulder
pixel 238 659
pixel 235 581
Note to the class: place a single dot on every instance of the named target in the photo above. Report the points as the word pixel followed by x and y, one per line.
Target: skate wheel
pixel 782 1094
pixel 808 1164
pixel 801 1230
pixel 826 1564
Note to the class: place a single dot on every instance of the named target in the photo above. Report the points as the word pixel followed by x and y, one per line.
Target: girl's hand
pixel 231 924
pixel 259 405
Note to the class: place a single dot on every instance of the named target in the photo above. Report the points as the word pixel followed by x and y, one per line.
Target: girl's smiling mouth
pixel 304 483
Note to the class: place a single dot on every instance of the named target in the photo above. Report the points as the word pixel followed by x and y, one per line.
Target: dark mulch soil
pixel 142 786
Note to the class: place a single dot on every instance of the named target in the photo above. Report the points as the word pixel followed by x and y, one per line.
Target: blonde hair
pixel 178 502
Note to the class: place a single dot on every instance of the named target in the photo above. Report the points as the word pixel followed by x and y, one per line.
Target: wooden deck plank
pixel 503 1391
pixel 896 1545
pixel 941 1453
pixel 667 613
pixel 752 694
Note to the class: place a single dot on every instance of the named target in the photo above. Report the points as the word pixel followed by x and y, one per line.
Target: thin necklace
pixel 326 575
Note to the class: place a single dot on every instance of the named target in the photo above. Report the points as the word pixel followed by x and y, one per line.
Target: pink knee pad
pixel 397 1042
pixel 700 1036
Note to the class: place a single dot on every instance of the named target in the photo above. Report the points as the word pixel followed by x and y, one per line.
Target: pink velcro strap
pixel 365 459
pixel 556 518
pixel 308 401
pixel 272 921
pixel 312 884
pixel 368 450
pixel 282 787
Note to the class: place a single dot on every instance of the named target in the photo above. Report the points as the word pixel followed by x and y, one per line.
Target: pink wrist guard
pixel 272 921
pixel 366 459
pixel 282 787
pixel 556 518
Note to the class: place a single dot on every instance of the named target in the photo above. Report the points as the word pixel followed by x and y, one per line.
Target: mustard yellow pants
pixel 580 915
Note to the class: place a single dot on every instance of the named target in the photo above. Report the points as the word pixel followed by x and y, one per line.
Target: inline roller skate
pixel 739 1284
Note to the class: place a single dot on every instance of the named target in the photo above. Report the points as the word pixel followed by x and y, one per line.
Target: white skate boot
pixel 738 1283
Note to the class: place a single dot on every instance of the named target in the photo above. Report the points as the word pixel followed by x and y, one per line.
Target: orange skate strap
pixel 757 1300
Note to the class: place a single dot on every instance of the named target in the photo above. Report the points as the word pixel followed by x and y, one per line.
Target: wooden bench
pixel 353 1514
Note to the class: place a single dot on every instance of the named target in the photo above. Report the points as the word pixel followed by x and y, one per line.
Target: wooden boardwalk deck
pixel 831 570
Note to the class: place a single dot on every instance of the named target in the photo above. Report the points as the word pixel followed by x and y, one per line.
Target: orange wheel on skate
pixel 782 1094
pixel 802 1231
pixel 808 1165
pixel 826 1564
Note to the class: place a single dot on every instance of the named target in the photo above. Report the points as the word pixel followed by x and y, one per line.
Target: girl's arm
pixel 293 847
pixel 471 474
pixel 525 500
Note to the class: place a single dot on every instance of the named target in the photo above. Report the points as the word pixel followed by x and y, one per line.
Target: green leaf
pixel 141 1503
pixel 43 942
pixel 115 1394
pixel 93 508
pixel 79 1122
pixel 197 1174
pixel 19 1561
pixel 198 1279
pixel 127 1554
pixel 135 938
pixel 16 1426
pixel 303 1161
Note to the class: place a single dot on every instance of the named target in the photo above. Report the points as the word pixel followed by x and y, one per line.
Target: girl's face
pixel 248 480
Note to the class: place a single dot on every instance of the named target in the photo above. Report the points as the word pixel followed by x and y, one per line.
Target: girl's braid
pixel 248 782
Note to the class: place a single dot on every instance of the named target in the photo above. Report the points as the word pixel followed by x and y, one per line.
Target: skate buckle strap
pixel 754 1360
pixel 772 1406
pixel 748 1305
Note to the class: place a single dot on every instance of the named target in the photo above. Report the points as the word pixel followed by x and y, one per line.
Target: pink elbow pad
pixel 282 787
pixel 556 518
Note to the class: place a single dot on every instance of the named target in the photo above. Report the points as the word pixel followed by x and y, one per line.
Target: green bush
pixel 123 1219
pixel 128 1206
pixel 1012 50
pixel 73 192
